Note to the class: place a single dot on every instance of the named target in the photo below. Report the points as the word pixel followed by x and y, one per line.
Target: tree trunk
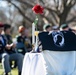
pixel 64 15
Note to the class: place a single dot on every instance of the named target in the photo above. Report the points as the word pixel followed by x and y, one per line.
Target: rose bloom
pixel 38 9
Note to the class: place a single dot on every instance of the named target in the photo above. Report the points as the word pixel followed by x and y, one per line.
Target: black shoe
pixel 7 74
pixel 19 73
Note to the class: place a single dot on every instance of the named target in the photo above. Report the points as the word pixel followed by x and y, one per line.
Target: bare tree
pixel 56 12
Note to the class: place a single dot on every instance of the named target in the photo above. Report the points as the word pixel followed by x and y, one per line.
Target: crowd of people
pixel 10 51
pixel 63 27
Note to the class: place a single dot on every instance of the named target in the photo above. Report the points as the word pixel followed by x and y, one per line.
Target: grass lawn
pixel 13 71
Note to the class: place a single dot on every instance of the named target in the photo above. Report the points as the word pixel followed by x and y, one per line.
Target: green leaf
pixel 36 21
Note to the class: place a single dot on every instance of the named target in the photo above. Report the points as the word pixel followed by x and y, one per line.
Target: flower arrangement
pixel 37 9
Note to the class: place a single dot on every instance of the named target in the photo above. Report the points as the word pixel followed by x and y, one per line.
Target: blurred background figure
pixel 64 27
pixel 47 27
pixel 9 48
pixel 28 43
pixel 55 28
pixel 21 48
pixel 8 36
pixel 23 40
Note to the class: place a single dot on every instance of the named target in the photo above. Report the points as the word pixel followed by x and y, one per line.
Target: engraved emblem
pixel 58 39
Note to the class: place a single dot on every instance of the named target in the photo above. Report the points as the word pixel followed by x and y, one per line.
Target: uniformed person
pixel 47 27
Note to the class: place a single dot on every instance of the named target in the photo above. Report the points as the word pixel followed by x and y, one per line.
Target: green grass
pixel 13 71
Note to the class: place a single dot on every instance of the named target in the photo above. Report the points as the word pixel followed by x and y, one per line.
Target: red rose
pixel 38 9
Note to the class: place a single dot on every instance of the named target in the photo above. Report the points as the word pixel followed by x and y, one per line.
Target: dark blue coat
pixel 2 45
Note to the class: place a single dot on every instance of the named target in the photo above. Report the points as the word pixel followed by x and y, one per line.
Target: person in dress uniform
pixel 66 27
pixel 47 27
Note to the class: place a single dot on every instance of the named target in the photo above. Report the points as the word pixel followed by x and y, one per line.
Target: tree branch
pixel 71 20
pixel 21 12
